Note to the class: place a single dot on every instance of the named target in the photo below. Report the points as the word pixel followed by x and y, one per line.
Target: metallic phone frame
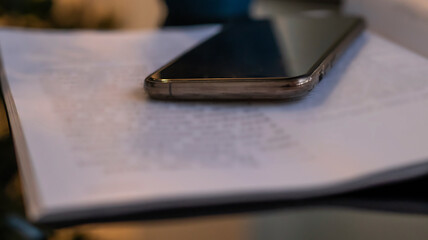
pixel 250 88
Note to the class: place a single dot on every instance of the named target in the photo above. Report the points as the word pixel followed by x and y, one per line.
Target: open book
pixel 91 143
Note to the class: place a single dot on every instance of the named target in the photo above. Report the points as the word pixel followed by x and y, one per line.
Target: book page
pixel 95 139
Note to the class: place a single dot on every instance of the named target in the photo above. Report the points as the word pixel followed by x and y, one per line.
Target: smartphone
pixel 265 59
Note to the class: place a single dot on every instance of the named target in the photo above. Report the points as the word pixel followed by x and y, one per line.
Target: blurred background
pixel 130 14
pixel 402 21
pixel 82 13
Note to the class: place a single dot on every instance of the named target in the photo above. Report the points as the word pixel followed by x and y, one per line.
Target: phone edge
pixel 251 88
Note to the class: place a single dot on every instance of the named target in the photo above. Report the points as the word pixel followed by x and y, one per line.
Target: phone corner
pixel 157 88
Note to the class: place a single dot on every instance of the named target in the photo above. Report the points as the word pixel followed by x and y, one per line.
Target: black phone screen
pixel 286 47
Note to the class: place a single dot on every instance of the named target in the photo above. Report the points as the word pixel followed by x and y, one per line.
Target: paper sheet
pixel 96 140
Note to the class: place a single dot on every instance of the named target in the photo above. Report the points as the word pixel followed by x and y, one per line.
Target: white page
pixel 95 140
